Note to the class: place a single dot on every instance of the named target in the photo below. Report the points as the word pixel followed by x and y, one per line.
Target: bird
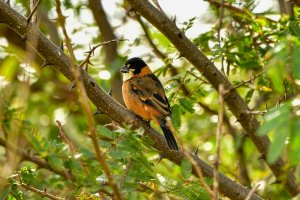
pixel 144 94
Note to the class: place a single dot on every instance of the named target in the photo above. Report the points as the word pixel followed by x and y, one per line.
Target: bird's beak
pixel 124 69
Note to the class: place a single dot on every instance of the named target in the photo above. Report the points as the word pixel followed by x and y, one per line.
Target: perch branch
pixel 101 157
pixel 243 172
pixel 233 100
pixel 109 106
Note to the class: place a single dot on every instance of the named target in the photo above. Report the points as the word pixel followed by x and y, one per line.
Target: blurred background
pixel 254 43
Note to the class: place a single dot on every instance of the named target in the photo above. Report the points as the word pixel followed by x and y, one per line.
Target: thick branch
pixel 296 2
pixel 107 105
pixel 243 172
pixel 234 101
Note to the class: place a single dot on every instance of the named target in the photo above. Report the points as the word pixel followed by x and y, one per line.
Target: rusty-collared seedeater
pixel 144 94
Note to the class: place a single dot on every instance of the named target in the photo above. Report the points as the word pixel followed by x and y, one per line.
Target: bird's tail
pixel 168 135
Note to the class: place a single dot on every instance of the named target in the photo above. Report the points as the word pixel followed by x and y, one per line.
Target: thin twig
pixel 92 50
pixel 251 80
pixel 43 193
pixel 284 96
pixel 33 11
pixel 65 138
pixel 218 142
pixel 258 112
pixel 199 173
pixel 197 77
pixel 100 156
pixel 183 87
pixel 238 10
pixel 219 34
pixel 41 163
pixel 61 20
pixel 196 167
pixel 230 7
pixel 252 191
pixel 103 101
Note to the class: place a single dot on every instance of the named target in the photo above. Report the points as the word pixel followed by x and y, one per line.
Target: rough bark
pixel 233 100
pixel 53 55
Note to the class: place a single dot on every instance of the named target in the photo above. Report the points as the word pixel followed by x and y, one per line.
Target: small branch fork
pixel 251 80
pixel 92 50
pixel 65 138
pixel 196 168
pixel 33 11
pixel 230 7
pixel 100 156
pixel 40 162
pixel 252 191
pixel 199 173
pixel 118 113
pixel 43 193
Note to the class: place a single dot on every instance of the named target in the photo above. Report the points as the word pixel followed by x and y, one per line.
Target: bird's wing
pixel 151 92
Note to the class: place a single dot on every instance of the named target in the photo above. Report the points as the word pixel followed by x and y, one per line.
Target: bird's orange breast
pixel 134 103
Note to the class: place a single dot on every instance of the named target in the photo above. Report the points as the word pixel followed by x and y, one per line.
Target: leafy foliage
pixel 32 100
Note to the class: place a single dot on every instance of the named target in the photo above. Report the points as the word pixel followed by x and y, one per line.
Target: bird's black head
pixel 134 65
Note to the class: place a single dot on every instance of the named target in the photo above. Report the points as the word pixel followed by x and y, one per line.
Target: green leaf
pixel 186 168
pixel 9 67
pixel 162 40
pixel 249 95
pixel 119 154
pixel 5 192
pixel 294 155
pixel 55 161
pixel 15 193
pixel 176 116
pixel 275 119
pixel 276 66
pixel 279 121
pixel 296 60
pixel 74 165
pixel 187 105
pixel 28 175
pixel 294 27
pixel 105 132
pixel 278 143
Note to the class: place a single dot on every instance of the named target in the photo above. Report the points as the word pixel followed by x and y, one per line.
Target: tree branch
pixel 43 193
pixel 243 172
pixel 108 106
pixel 35 7
pixel 100 155
pixel 234 101
pixel 296 2
pixel 38 161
